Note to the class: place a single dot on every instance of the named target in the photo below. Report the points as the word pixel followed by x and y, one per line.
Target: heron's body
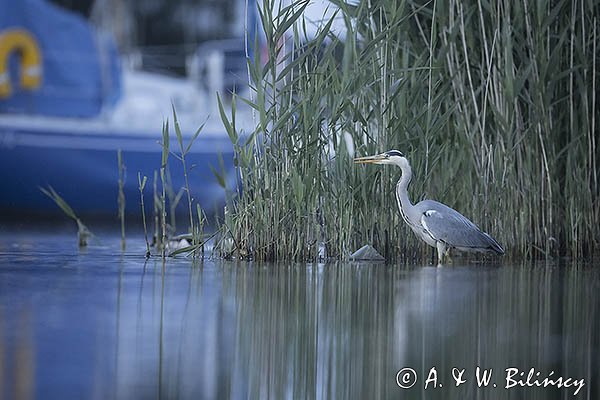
pixel 435 223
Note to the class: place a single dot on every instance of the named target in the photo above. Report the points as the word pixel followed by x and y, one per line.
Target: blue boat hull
pixel 82 167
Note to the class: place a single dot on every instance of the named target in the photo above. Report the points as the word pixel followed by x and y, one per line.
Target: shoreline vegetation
pixel 494 104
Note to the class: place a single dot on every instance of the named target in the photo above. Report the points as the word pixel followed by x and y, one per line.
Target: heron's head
pixel 393 157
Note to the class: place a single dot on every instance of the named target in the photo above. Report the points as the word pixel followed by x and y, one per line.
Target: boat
pixel 68 106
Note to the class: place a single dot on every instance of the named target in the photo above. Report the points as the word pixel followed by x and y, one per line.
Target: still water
pixel 99 324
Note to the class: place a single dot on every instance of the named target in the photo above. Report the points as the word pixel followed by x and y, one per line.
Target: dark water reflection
pixel 94 324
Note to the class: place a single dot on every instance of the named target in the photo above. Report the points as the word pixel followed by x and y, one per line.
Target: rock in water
pixel 366 253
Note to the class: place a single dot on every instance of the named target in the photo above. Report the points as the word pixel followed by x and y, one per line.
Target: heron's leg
pixel 441 250
pixel 447 256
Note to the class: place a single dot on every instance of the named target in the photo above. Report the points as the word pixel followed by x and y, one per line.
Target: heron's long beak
pixel 370 159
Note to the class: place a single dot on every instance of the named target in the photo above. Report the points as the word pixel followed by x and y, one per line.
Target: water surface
pixel 101 324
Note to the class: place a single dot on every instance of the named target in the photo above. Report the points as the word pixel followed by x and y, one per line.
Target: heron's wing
pixel 443 223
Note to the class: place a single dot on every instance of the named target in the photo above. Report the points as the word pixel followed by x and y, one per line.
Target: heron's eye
pixel 394 153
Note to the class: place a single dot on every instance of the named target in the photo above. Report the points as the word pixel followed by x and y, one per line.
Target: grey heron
pixel 435 223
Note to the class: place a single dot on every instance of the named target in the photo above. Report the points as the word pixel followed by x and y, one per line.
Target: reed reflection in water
pixel 96 328
pixel 344 331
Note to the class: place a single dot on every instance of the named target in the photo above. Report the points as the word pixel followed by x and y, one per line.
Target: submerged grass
pixel 494 104
pixel 83 233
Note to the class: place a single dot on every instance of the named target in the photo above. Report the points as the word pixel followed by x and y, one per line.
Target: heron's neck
pixel 402 188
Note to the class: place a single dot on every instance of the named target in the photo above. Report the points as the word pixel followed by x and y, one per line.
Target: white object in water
pixel 366 253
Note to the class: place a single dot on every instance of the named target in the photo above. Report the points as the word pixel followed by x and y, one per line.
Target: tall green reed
pixel 121 197
pixel 194 230
pixel 167 199
pixel 162 243
pixel 141 186
pixel 494 104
